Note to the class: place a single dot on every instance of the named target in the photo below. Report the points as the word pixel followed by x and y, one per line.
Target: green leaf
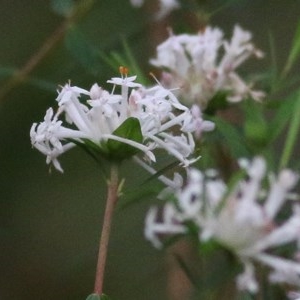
pixel 82 50
pixel 94 297
pixel 130 129
pixel 283 114
pixel 114 150
pixel 230 136
pixel 255 125
pixel 292 134
pixel 162 171
pixel 294 53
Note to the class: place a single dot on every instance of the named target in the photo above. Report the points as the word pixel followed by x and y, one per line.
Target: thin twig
pixel 106 228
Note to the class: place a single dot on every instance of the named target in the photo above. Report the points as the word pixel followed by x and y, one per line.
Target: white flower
pixel 243 219
pixel 95 115
pixel 292 295
pixel 195 123
pixel 197 64
pixel 154 228
pixel 46 137
pixel 165 7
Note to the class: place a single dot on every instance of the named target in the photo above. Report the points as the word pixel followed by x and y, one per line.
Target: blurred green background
pixel 50 223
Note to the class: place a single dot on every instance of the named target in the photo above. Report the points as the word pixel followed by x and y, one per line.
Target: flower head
pixel 194 63
pixel 119 123
pixel 243 219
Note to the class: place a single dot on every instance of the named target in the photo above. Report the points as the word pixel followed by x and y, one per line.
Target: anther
pixel 123 71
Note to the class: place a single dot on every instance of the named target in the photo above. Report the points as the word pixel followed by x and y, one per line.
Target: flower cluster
pixel 243 219
pixel 143 119
pixel 194 63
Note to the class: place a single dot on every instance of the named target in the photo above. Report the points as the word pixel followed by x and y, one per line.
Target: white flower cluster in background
pixel 165 7
pixel 94 115
pixel 204 64
pixel 243 219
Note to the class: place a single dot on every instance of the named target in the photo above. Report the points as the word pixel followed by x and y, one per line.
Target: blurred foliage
pixel 50 223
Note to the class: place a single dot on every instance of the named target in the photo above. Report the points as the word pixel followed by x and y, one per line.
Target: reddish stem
pixel 112 198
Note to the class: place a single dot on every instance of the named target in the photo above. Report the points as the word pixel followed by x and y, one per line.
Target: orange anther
pixel 123 71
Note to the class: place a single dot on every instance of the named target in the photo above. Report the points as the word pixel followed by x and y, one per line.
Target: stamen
pixel 123 71
pixel 158 82
pixel 155 78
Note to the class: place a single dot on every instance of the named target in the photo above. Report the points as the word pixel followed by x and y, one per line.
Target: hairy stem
pixel 112 198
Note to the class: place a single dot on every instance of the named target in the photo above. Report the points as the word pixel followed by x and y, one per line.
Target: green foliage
pixel 114 150
pixel 231 136
pixel 294 52
pixel 130 129
pixel 292 134
pixel 283 111
pixel 256 128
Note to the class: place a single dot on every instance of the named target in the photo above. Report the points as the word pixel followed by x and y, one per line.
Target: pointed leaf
pixel 295 51
pixel 114 150
pixel 292 134
pixel 282 116
pixel 130 129
pixel 162 171
pixel 255 125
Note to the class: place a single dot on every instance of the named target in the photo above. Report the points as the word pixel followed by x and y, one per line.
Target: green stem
pixel 291 136
pixel 112 198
